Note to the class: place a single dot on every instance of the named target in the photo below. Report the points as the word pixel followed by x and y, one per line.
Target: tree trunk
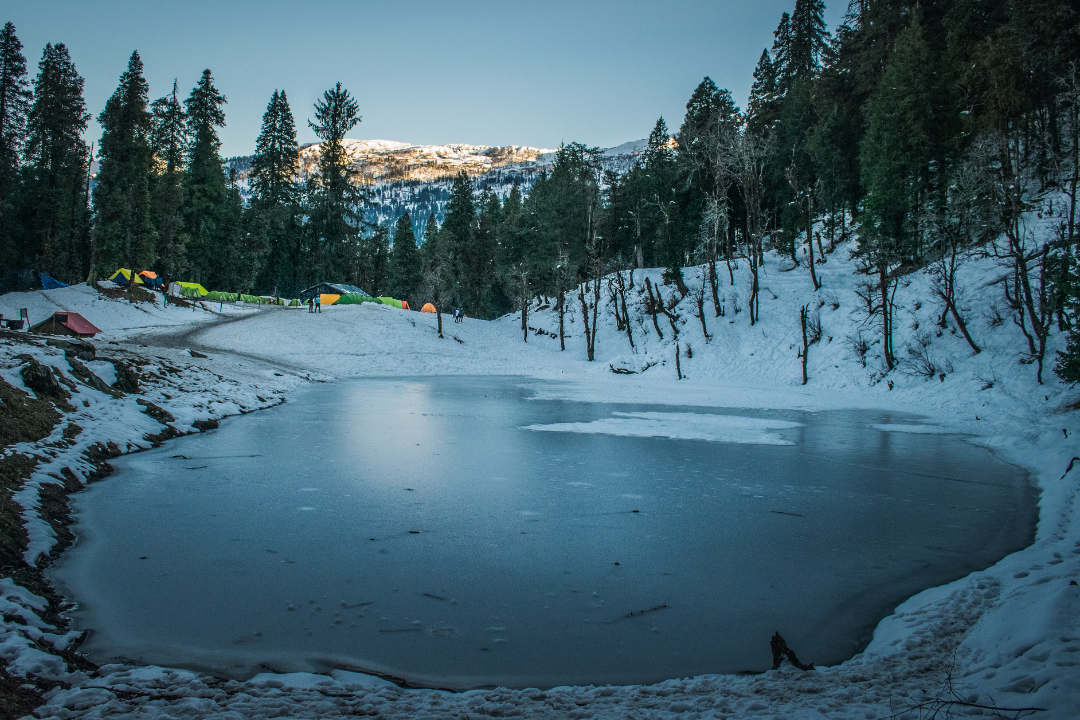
pixel 805 346
pixel 626 314
pixel 652 307
pixel 810 246
pixel 886 320
pixel 561 304
pixel 701 314
pixel 1024 295
pixel 524 312
pixel 595 310
pixel 755 291
pixel 585 319
pixel 714 285
pixel 949 296
pixel 678 368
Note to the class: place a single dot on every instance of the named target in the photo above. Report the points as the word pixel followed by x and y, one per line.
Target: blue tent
pixel 50 283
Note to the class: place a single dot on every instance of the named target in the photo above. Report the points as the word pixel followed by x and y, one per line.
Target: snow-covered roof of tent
pixel 326 288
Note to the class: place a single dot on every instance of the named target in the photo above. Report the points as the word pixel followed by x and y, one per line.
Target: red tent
pixel 66 323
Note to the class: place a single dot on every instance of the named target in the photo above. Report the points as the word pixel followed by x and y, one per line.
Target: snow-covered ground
pixel 1008 636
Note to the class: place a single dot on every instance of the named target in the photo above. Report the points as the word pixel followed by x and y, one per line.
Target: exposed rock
pixel 126 379
pixel 204 425
pixel 85 375
pixel 41 379
pixel 160 414
pixel 81 349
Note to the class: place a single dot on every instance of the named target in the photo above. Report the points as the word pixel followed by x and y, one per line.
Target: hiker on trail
pixel 318 303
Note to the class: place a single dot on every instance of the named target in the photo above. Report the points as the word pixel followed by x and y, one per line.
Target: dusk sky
pixel 478 72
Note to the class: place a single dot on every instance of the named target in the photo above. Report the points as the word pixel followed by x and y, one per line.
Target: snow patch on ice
pixel 915 429
pixel 682 426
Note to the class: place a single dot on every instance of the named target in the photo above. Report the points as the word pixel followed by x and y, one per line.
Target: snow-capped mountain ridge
pixel 381 160
pixel 404 177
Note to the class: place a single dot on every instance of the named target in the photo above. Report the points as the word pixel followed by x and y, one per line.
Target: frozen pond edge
pixel 931 625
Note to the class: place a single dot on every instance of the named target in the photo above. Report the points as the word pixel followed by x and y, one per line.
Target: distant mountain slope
pixel 416 179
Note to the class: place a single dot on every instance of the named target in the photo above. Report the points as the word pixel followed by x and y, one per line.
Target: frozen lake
pixel 456 533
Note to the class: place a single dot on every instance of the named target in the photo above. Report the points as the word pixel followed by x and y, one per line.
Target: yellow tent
pixel 328 298
pixel 428 308
pixel 194 286
pixel 125 277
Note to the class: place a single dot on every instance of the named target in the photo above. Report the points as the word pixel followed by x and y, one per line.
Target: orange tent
pixel 428 307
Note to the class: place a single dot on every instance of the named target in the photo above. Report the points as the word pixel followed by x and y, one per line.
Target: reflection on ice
pixel 682 426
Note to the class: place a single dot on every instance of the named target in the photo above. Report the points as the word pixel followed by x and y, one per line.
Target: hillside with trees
pixel 928 132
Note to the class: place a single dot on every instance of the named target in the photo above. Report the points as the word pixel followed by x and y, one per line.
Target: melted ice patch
pixel 682 426
pixel 917 429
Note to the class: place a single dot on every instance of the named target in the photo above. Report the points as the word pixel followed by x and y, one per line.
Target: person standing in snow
pixel 311 305
pixel 318 304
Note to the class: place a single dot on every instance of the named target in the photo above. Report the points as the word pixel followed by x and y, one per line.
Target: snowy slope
pixel 1008 636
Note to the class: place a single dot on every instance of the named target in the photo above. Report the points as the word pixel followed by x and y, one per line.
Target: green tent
pixel 221 296
pixel 390 301
pixel 354 299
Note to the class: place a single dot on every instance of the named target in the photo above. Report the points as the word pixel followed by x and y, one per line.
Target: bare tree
pixel 960 225
pixel 804 196
pixel 750 154
pixel 1009 163
pixel 699 300
pixel 435 287
pixel 519 275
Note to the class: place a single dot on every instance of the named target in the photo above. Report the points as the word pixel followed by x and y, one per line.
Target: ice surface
pixel 417 527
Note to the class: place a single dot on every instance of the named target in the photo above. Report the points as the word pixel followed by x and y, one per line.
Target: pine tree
pixel 123 232
pixel 14 106
pixel 55 214
pixel 276 159
pixel 701 110
pixel 781 52
pixel 435 287
pixel 373 261
pixel 661 209
pixel 809 39
pixel 337 203
pixel 274 213
pixel 763 92
pixel 169 146
pixel 457 239
pixel 490 296
pixel 895 158
pixel 406 268
pixel 208 206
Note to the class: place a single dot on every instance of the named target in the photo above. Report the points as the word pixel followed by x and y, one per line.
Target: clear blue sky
pixel 485 73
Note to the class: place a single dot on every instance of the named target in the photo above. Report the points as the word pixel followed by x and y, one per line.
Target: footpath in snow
pixel 1007 637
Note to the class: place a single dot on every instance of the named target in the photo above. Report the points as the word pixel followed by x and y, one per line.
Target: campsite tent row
pixel 124 276
pixel 354 296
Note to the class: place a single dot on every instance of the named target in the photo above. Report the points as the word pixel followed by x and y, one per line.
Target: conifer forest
pixel 926 130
